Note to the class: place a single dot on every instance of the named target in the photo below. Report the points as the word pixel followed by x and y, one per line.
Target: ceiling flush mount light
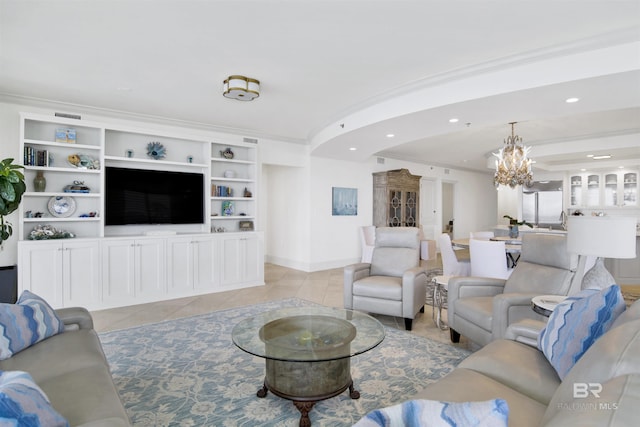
pixel 454 120
pixel 390 135
pixel 241 88
pixel 601 157
pixel 513 168
pixel 571 100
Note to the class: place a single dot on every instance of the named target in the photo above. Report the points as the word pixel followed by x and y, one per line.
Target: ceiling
pixel 343 74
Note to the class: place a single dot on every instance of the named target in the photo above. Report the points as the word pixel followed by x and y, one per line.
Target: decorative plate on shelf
pixel 61 206
pixel 156 150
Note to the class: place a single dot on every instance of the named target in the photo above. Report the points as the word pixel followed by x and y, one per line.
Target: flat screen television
pixel 140 196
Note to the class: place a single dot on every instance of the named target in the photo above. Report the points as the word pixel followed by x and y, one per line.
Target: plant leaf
pixel 7 191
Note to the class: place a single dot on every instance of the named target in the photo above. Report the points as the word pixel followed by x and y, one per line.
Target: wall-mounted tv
pixel 139 196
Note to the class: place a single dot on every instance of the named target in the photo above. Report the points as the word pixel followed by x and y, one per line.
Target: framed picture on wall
pixel 344 201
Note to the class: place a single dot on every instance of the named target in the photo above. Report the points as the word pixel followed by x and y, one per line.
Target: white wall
pixel 295 201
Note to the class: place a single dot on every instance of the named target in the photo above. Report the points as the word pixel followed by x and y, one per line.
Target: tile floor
pixel 322 287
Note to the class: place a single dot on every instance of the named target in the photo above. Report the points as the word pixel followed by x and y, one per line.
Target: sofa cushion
pixel 615 354
pixel 384 287
pixel 464 385
pixel 615 405
pixel 25 323
pixel 23 403
pixel 577 323
pixel 52 357
pixel 518 366
pixel 492 413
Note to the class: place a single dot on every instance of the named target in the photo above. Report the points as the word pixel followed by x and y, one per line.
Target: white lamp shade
pixel 607 237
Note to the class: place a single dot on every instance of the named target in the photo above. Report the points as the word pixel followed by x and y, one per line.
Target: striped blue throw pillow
pixel 432 413
pixel 24 404
pixel 28 321
pixel 578 322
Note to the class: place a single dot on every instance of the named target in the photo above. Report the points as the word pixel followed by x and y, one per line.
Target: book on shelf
pixel 33 157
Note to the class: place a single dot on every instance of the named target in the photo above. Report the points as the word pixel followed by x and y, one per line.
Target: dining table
pixel 513 247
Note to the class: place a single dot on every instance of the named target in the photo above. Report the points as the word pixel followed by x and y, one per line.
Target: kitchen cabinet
pixel 63 273
pixel 615 189
pixel 133 270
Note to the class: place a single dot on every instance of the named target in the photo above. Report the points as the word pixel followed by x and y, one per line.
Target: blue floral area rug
pixel 188 372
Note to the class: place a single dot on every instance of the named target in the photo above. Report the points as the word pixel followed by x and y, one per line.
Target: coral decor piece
pixel 156 150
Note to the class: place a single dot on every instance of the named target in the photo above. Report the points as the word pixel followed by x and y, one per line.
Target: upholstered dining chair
pixel 488 259
pixel 451 266
pixel 482 308
pixel 393 283
pixel 367 241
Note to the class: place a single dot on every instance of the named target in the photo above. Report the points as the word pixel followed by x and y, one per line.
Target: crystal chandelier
pixel 513 168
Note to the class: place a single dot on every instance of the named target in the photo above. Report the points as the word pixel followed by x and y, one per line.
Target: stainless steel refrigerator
pixel 542 204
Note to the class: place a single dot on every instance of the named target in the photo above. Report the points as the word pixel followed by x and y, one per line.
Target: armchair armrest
pixel 75 318
pixel 525 331
pixel 511 308
pixel 467 286
pixel 414 291
pixel 353 273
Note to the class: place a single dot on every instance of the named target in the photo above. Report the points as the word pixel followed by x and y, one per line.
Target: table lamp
pixel 601 237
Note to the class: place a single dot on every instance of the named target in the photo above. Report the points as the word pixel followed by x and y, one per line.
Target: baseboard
pixel 308 267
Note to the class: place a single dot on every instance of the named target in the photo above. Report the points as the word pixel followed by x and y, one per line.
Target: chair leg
pixel 408 323
pixel 454 335
pixel 422 309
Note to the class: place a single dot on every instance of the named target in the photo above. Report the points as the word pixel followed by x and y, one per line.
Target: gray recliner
pixel 393 283
pixel 481 309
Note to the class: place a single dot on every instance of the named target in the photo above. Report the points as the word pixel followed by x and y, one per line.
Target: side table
pixel 545 304
pixel 440 288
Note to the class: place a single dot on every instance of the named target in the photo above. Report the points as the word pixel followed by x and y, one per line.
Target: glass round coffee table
pixel 307 351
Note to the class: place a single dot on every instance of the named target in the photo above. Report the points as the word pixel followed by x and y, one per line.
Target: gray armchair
pixel 393 283
pixel 482 308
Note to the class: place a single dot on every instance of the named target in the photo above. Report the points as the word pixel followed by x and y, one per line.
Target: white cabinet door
pixel 40 270
pixel 118 271
pixel 206 270
pixel 179 265
pixel 81 273
pixel 150 268
pixel 192 264
pixel 241 259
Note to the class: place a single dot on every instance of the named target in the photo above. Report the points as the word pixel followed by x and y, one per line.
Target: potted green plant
pixel 514 224
pixel 12 187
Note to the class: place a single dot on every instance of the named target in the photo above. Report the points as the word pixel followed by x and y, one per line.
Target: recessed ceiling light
pixel 583 170
pixel 589 155
pixel 571 100
pixel 602 157
pixel 454 120
pixel 352 149
pixel 390 135
pixel 620 167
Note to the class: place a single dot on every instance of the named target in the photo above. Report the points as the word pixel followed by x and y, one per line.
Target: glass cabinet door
pixel 630 196
pixel 576 190
pixel 395 208
pixel 611 189
pixel 411 209
pixel 593 190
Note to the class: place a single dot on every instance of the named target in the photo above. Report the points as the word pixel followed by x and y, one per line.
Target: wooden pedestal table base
pixel 304 405
pixel 305 383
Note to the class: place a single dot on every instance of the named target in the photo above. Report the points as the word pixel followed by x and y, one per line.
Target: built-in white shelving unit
pixel 108 266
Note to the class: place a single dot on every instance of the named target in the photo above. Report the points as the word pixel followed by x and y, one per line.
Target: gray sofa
pixel 515 371
pixel 72 370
